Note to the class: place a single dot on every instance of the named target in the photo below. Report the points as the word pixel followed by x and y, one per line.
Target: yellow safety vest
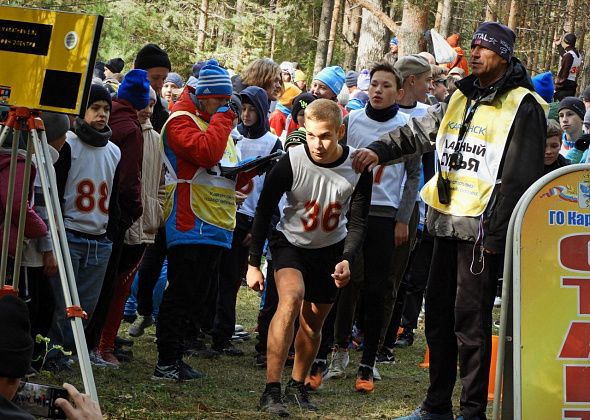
pixel 482 149
pixel 213 197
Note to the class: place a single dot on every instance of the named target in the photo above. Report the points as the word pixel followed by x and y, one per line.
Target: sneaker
pixel 271 402
pixel 193 345
pixel 129 318
pixel 109 357
pixel 385 356
pixel 421 414
pixel 290 359
pixel 297 393
pixel 241 335
pixel 205 353
pixel 59 364
pixel 317 371
pixel 260 360
pixel 238 328
pixel 123 355
pixel 498 302
pixel 97 361
pixel 338 364
pixel 405 339
pixel 376 374
pixel 139 325
pixel 123 342
pixel 178 371
pixel 229 350
pixel 364 380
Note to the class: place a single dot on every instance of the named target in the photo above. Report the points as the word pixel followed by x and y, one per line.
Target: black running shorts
pixel 316 266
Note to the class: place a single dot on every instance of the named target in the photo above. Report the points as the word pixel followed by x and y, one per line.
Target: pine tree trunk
pixel 323 36
pixel 445 19
pixel 333 30
pixel 570 21
pixel 238 32
pixel 271 33
pixel 373 39
pixel 513 16
pixel 351 31
pixel 202 28
pixel 414 23
pixel 438 17
pixel 491 10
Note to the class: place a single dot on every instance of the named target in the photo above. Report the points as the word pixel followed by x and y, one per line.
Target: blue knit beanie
pixel 333 77
pixel 214 81
pixel 175 78
pixel 351 78
pixel 135 88
pixel 543 84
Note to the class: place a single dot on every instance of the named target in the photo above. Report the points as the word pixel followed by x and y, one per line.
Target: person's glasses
pixel 442 81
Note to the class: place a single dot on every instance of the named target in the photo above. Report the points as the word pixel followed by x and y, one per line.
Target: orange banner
pixel 555 301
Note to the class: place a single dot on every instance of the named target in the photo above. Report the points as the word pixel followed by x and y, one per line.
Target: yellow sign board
pixel 46 58
pixel 555 300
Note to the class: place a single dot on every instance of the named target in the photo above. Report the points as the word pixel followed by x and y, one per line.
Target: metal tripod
pixel 22 121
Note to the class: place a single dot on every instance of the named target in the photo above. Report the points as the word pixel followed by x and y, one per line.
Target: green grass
pixel 233 386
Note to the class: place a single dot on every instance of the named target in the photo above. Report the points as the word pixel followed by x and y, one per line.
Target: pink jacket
pixel 34 226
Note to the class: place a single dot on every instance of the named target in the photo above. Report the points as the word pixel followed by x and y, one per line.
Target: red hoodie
pixel 127 134
pixel 34 225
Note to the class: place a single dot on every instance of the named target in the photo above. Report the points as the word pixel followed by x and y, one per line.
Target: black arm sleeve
pixel 522 165
pixel 278 181
pixel 62 169
pixel 359 212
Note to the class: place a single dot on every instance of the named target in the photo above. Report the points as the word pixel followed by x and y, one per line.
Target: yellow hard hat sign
pixel 47 58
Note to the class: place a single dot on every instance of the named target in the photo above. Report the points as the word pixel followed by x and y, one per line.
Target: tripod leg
pixel 22 215
pixel 9 203
pixel 62 256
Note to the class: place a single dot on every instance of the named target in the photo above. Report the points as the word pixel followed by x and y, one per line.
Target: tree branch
pixel 379 14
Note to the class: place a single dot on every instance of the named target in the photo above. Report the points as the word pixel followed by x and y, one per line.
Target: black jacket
pixel 521 166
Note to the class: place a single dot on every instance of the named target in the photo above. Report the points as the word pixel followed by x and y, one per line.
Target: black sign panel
pixel 25 37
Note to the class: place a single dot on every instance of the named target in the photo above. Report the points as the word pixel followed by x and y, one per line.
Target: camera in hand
pixel 443 185
pixel 39 400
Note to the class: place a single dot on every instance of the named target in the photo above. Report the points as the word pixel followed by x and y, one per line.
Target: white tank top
pixel 89 185
pixel 252 148
pixel 573 74
pixel 314 215
pixel 387 179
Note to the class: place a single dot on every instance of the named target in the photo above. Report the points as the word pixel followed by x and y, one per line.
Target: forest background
pixel 316 33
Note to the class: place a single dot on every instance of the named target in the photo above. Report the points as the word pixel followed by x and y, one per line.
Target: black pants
pixel 370 279
pixel 399 262
pixel 149 273
pixel 39 297
pixel 189 268
pixel 411 292
pixel 93 329
pixel 232 270
pixel 459 323
pixel 568 89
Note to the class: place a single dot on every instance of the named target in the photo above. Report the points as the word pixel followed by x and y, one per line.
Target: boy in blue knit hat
pixel 125 207
pixel 328 83
pixel 200 208
pixel 543 84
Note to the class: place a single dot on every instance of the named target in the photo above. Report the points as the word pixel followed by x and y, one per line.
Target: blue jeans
pixel 89 261
pixel 157 294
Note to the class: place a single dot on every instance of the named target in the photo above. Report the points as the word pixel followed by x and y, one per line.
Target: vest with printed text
pixel 212 196
pixel 472 185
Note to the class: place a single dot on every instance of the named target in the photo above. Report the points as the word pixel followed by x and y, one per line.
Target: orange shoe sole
pixel 364 386
pixel 314 382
